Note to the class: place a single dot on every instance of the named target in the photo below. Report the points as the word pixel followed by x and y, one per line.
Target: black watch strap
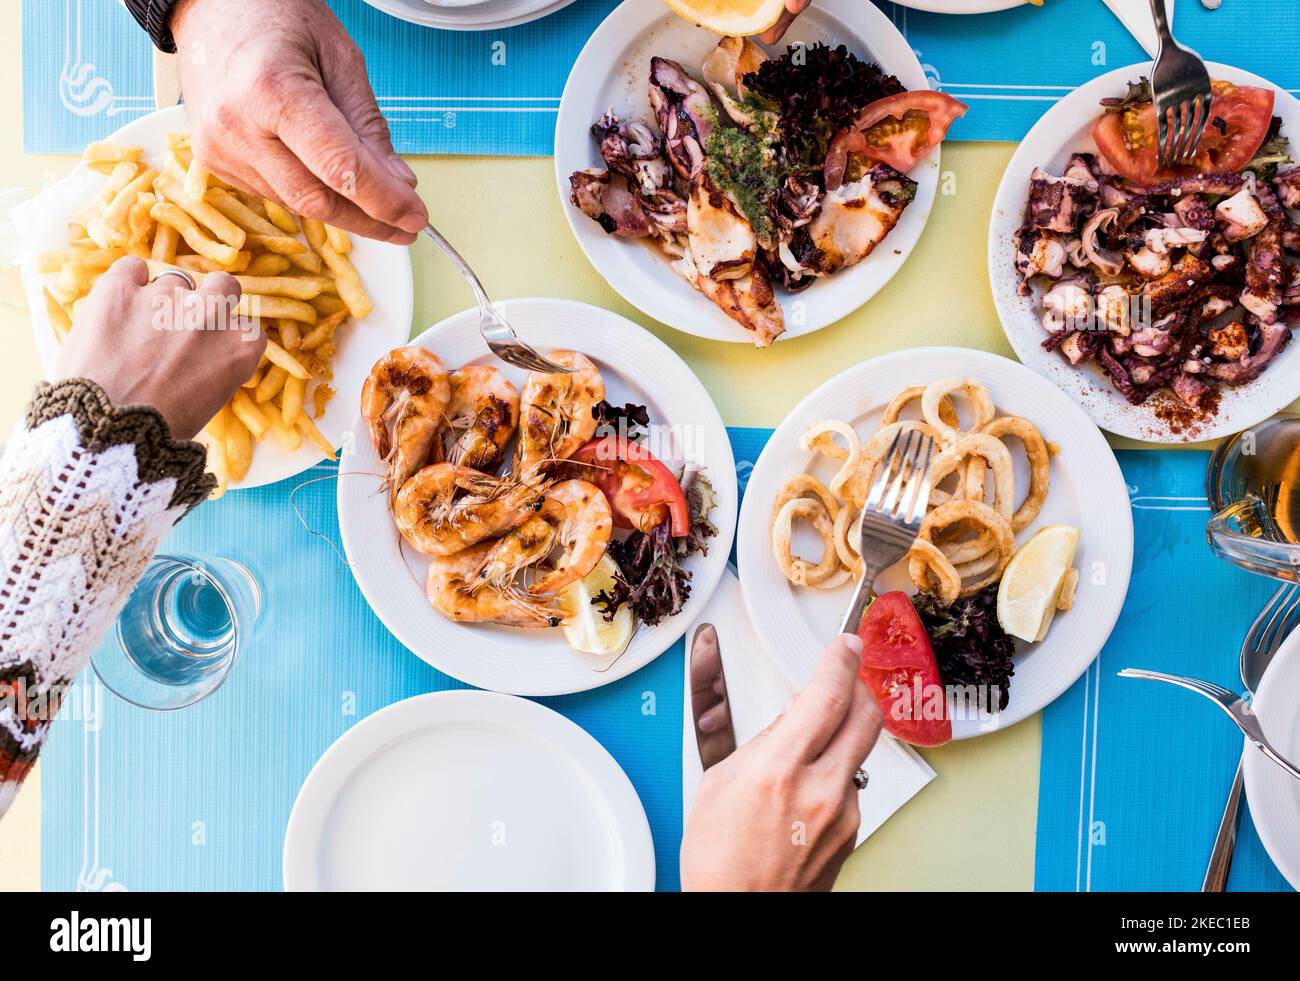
pixel 152 16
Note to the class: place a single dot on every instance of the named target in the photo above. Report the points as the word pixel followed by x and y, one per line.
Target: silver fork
pixel 1180 87
pixel 1236 708
pixel 892 515
pixel 500 336
pixel 1273 625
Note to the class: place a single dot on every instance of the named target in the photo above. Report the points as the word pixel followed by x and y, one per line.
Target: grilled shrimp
pixel 446 507
pixel 519 548
pixel 403 402
pixel 456 588
pixel 583 523
pixel 556 411
pixel 483 413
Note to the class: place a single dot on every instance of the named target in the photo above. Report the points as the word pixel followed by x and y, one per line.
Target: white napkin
pixel 1136 16
pixel 759 693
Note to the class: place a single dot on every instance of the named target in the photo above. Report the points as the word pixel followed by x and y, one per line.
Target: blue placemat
pixel 1134 774
pixel 86 67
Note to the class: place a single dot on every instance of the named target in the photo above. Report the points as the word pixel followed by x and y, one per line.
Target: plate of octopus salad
pixel 742 193
pixel 533 533
pixel 1161 299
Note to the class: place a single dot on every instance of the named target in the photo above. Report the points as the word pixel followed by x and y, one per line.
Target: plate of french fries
pixel 329 303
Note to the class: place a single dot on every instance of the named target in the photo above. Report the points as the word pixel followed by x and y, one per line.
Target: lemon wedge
pixel 586 630
pixel 1031 584
pixel 733 18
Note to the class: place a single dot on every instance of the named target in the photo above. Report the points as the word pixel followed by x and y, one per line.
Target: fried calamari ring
pixel 846 525
pixel 922 560
pixel 1040 465
pixel 873 453
pixel 818 437
pixel 799 486
pixel 935 392
pixel 799 571
pixel 947 411
pixel 926 557
pixel 994 452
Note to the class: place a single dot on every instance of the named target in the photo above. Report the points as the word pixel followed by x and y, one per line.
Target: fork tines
pixel 1177 135
pixel 902 491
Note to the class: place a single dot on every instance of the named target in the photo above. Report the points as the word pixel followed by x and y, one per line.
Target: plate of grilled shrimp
pixel 537 533
pixel 744 193
pixel 1020 567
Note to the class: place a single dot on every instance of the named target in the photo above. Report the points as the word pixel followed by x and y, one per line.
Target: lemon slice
pixel 586 630
pixel 733 18
pixel 1032 582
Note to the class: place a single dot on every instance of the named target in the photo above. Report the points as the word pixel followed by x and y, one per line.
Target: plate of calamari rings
pixel 529 532
pixel 1022 481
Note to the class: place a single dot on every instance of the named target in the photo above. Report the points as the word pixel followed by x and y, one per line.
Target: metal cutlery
pixel 715 732
pixel 892 515
pixel 1233 705
pixel 1180 87
pixel 1273 625
pixel 500 336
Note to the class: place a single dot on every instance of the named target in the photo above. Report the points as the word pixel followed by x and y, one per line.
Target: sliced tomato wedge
pixel 642 492
pixel 1240 117
pixel 899 669
pixel 897 130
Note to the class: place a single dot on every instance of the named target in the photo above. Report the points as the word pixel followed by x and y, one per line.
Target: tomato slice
pixel 641 490
pixel 897 130
pixel 1240 117
pixel 899 668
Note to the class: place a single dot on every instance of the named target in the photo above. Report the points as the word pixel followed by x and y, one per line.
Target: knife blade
pixel 715 732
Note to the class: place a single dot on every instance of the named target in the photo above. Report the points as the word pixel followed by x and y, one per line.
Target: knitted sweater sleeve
pixel 87 491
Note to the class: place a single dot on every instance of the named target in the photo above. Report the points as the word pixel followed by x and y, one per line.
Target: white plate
pixel 637 367
pixel 384 269
pixel 1274 795
pixel 467 790
pixel 1087 490
pixel 961 6
pixel 611 73
pixel 1064 129
pixel 469 15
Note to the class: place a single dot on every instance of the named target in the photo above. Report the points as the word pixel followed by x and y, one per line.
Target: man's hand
pixel 793 8
pixel 279 105
pixel 183 352
pixel 781 812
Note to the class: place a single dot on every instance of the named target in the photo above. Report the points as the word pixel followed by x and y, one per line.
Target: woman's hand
pixel 183 352
pixel 279 104
pixel 781 812
pixel 793 8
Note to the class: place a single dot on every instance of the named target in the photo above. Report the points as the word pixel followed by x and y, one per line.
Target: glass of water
pixel 180 631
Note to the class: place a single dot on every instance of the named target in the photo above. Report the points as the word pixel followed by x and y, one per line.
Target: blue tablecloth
pixel 86 67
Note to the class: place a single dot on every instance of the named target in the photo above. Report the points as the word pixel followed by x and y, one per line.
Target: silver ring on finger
pixel 860 779
pixel 180 274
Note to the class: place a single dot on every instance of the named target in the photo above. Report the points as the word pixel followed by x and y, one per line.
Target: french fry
pixel 239 448
pixel 270 385
pixel 268 264
pixel 196 180
pixel 178 141
pixel 198 207
pixel 105 152
pixel 315 232
pixel 58 317
pixel 252 415
pixel 294 287
pixel 291 399
pixel 289 436
pixel 327 303
pixel 308 428
pixel 121 175
pixel 256 305
pixel 109 227
pixel 323 332
pixel 281 358
pixel 165 239
pixel 349 283
pixel 170 214
pixel 338 240
pixel 307 261
pixel 290 334
pixel 198 264
pixel 255 378
pixel 279 244
pixel 281 217
pixel 215 433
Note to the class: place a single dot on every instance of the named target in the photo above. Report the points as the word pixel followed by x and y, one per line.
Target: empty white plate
pixel 467 790
pixel 1274 795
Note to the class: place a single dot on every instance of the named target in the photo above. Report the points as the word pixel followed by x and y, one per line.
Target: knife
pixel 166 79
pixel 715 733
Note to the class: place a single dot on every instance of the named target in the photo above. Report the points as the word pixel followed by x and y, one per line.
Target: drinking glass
pixel 180 631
